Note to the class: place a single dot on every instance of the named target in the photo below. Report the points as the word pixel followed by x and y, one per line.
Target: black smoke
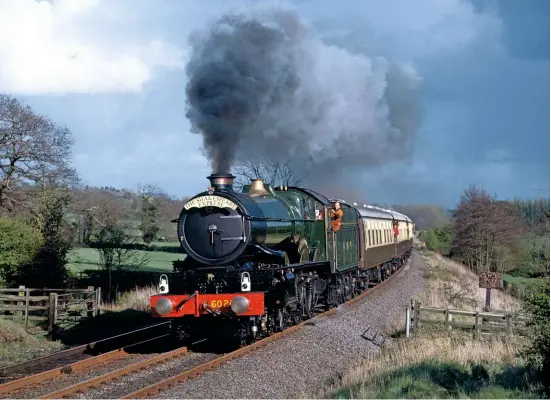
pixel 263 85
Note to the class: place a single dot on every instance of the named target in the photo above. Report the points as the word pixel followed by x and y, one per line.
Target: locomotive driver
pixel 335 213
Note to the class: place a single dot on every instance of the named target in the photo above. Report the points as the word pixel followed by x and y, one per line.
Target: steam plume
pixel 263 85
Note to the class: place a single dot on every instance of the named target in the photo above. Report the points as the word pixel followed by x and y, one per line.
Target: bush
pixel 537 354
pixel 19 245
pixel 439 239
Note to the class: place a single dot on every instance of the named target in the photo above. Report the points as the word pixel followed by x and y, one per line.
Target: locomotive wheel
pixel 343 292
pixel 281 321
pixel 354 286
pixel 349 290
pixel 309 305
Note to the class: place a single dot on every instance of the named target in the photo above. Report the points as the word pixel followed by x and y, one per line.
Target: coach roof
pixel 368 211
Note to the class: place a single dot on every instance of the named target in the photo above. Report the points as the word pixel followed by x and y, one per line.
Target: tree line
pixel 488 234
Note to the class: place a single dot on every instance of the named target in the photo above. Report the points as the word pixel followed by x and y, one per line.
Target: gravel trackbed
pixel 302 363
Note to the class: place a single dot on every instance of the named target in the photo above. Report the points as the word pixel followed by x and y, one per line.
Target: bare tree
pixel 274 173
pixel 114 245
pixel 33 151
pixel 486 231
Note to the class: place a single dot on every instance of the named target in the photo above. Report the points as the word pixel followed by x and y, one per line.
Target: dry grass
pixel 137 299
pixel 11 332
pixel 451 285
pixel 17 346
pixel 416 351
pixel 414 367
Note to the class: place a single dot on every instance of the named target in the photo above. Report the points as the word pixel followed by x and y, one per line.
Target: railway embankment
pixel 444 363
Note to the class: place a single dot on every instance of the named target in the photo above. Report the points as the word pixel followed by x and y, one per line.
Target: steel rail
pixel 110 376
pixel 69 352
pixel 30 380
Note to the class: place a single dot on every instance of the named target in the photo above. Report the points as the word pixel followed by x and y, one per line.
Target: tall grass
pixel 440 364
pixel 451 285
pixel 136 299
pixel 16 345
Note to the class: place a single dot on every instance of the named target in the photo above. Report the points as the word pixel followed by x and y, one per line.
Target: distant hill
pixel 425 215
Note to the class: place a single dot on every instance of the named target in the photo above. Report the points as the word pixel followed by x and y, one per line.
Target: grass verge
pixel 17 346
pixel 440 364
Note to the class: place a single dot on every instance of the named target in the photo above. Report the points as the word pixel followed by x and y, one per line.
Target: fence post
pixel 408 321
pixel 509 324
pixel 417 313
pixel 27 300
pixel 98 300
pixel 448 317
pixel 20 303
pixel 52 312
pixel 476 326
pixel 90 295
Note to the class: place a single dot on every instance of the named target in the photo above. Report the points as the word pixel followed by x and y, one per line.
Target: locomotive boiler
pixel 267 257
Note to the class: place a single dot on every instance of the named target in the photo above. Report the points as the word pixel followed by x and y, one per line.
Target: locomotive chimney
pixel 257 188
pixel 221 181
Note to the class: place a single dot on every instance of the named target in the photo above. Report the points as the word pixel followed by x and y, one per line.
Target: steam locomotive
pixel 267 257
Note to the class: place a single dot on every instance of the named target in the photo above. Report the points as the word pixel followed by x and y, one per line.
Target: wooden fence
pixel 50 309
pixel 477 322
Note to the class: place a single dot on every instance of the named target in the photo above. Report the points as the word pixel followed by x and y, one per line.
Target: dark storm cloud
pixel 263 85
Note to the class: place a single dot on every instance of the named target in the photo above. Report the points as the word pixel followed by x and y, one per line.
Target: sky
pixel 113 72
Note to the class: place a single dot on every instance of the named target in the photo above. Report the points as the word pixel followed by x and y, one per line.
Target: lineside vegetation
pixel 437 364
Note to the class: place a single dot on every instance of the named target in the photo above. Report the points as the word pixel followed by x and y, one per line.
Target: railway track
pixel 16 377
pixel 78 353
pixel 80 388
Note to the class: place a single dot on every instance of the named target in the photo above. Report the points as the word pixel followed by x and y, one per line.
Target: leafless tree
pixel 33 151
pixel 114 245
pixel 486 232
pixel 274 173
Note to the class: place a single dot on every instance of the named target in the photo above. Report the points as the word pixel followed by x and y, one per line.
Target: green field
pixel 521 282
pixel 87 258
